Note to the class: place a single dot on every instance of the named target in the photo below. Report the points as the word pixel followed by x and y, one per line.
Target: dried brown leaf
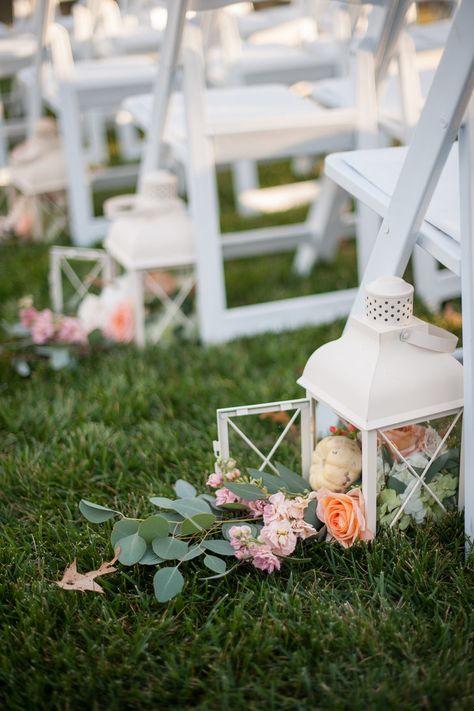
pixel 72 580
pixel 281 417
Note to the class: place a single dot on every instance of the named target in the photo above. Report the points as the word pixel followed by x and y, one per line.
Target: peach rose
pixel 344 516
pixel 120 327
pixel 407 439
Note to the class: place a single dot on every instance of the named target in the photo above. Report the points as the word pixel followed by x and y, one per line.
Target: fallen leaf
pixel 451 316
pixel 165 280
pixel 282 417
pixel 72 580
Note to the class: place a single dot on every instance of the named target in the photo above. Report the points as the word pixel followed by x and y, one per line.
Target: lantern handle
pixel 433 338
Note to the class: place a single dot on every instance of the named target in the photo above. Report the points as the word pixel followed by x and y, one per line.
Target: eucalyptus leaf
pixel 234 507
pixel 395 484
pixel 272 483
pixel 211 500
pixel 221 575
pixel 436 466
pixel 170 548
pixel 199 522
pixel 193 552
pixel 162 502
pixel 95 513
pixel 132 549
pixel 59 358
pixel 310 515
pixel 184 489
pixel 167 582
pixel 123 528
pixel 294 483
pixel 22 367
pixel 220 546
pixel 190 507
pixel 150 557
pixel 217 565
pixel 153 527
pixel 249 492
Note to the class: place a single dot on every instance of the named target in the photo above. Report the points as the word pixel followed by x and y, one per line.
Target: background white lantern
pixel 388 370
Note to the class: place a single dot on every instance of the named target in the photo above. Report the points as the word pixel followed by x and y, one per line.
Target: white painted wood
pixel 466 167
pixel 369 477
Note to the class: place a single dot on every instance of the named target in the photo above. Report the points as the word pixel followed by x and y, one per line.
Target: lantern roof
pixel 388 368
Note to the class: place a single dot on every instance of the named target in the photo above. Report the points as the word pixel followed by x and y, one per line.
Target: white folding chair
pixel 425 195
pixel 263 122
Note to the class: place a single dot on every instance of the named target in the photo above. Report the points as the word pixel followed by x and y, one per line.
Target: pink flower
pixel 264 559
pixel 280 536
pixel 240 541
pixel 215 480
pixel 296 507
pixel 224 496
pixel 233 474
pixel 120 327
pixel 276 509
pixel 256 507
pixel 302 529
pixel 28 316
pixel 71 331
pixel 42 329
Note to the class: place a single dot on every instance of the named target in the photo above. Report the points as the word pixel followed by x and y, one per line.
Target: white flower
pixel 91 313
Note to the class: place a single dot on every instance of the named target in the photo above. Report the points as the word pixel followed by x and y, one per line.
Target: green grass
pixel 383 626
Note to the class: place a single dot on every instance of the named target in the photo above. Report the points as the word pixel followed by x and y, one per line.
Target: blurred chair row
pixel 229 86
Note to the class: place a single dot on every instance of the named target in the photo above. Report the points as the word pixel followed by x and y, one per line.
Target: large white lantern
pixel 388 371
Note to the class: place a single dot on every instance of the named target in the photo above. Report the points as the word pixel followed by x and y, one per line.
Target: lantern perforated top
pixel 388 366
pixel 389 300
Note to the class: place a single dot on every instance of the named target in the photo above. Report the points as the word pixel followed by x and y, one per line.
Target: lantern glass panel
pixel 418 471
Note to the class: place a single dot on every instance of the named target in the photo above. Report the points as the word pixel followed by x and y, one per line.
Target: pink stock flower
pixel 225 496
pixel 256 507
pixel 28 316
pixel 296 507
pixel 240 541
pixel 120 327
pixel 302 529
pixel 276 508
pixel 280 536
pixel 71 331
pixel 233 474
pixel 215 480
pixel 264 559
pixel 42 329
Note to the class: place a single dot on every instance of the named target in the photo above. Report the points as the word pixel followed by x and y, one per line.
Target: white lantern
pixel 389 370
pixel 152 231
pixel 386 375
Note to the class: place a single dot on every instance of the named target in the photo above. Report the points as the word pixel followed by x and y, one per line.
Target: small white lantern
pixel 389 370
pixel 152 231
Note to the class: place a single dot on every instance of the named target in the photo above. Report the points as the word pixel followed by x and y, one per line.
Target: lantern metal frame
pixel 306 408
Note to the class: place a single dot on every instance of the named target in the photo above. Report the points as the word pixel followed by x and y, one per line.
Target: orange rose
pixel 121 327
pixel 407 439
pixel 344 516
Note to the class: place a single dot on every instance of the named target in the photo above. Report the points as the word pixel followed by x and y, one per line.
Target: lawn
pixel 382 626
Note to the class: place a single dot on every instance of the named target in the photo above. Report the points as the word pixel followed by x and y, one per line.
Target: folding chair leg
pixel 324 223
pixel 244 177
pixel 466 175
pixel 139 307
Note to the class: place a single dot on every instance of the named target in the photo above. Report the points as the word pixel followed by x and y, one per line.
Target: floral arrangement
pixel 258 519
pixel 111 312
pixel 417 445
pixel 42 333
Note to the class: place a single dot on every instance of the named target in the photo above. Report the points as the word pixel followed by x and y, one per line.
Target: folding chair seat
pixel 81 94
pixel 371 177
